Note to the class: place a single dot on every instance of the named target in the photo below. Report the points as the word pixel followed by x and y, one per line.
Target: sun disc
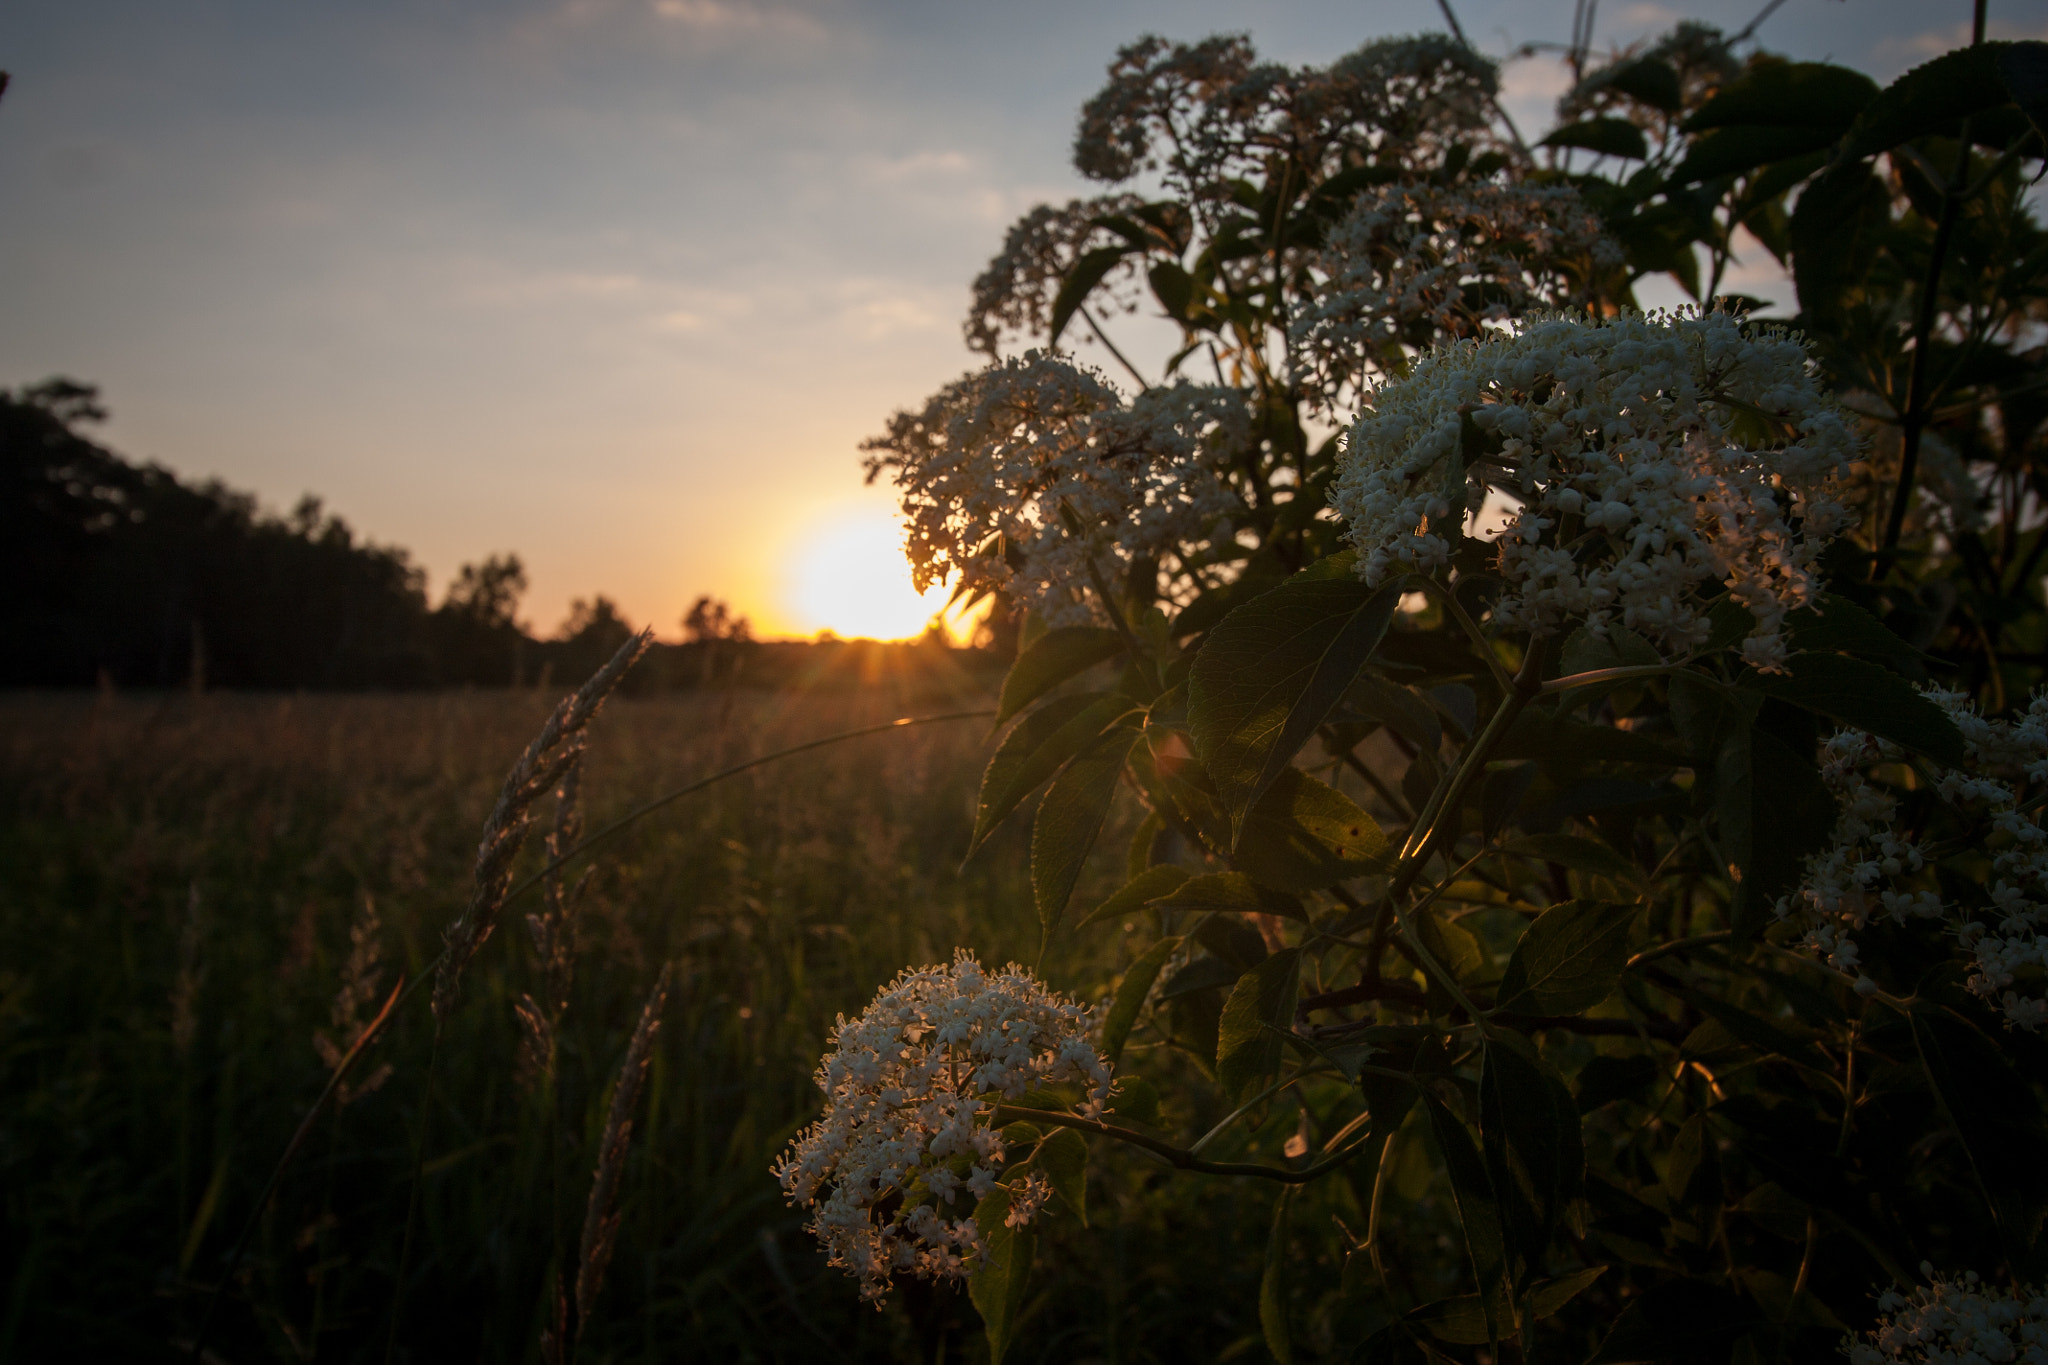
pixel 850 577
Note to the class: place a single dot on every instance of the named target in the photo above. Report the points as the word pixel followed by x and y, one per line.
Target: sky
pixel 617 285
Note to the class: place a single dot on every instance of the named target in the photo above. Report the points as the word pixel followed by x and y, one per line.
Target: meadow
pixel 194 889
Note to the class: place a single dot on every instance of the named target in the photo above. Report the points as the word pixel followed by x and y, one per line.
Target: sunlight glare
pixel 850 577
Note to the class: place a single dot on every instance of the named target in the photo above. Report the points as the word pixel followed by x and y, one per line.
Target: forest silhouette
pixel 125 575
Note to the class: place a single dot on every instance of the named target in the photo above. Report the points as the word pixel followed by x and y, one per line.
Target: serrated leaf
pixel 1063 1156
pixel 1069 817
pixel 1867 696
pixel 1578 854
pixel 1050 660
pixel 1132 896
pixel 1568 960
pixel 999 1283
pixel 1608 136
pixel 1816 95
pixel 1247 1043
pixel 1745 148
pixel 1036 748
pixel 1935 96
pixel 1081 280
pixel 1271 671
pixel 1546 1297
pixel 1130 996
pixel 1305 835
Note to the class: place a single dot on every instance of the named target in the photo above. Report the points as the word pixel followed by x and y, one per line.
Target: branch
pixel 1177 1157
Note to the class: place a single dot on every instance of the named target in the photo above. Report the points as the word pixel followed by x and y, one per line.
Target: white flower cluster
pixel 1413 263
pixel 904 1149
pixel 1956 1322
pixel 1649 459
pixel 1033 476
pixel 1869 869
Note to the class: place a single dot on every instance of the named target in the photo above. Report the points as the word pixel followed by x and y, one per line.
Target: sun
pixel 850 577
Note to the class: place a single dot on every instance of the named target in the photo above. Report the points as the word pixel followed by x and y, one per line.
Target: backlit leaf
pixel 1069 817
pixel 1272 670
pixel 1050 660
pixel 1568 960
pixel 1247 1045
pixel 1130 996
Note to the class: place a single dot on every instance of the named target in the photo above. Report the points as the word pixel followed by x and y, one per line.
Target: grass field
pixel 180 879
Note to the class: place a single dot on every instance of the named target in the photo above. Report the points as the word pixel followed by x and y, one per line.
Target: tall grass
pixel 188 884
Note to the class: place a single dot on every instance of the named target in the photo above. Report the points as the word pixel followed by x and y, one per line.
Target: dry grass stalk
pixel 535 1068
pixel 553 928
pixel 551 753
pixel 601 1219
pixel 355 1003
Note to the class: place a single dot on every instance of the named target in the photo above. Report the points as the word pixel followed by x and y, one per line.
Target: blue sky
pixel 617 284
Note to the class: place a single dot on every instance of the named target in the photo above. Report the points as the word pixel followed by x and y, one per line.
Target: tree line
pixel 125 575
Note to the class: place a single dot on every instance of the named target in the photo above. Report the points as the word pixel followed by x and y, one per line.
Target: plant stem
pixel 1457 612
pixel 412 1202
pixel 1178 1157
pixel 1913 421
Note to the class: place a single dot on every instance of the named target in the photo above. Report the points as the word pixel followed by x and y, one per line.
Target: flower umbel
pixel 1956 1322
pixel 905 1149
pixel 1871 869
pixel 1651 461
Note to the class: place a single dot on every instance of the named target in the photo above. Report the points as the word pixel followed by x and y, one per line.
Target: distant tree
pixel 125 569
pixel 709 618
pixel 592 634
pixel 477 636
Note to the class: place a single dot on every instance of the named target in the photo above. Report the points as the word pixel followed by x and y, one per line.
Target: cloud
pixel 920 164
pixel 723 17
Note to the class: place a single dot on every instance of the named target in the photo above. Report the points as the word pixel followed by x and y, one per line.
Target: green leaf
pixel 1273 669
pixel 1580 855
pixel 1130 996
pixel 1063 1156
pixel 1132 896
pixel 1173 287
pixel 1398 708
pixel 1935 96
pixel 1273 1284
pixel 1648 80
pixel 1546 1297
pixel 1548 738
pixel 998 1285
pixel 1050 660
pixel 1260 1009
pixel 1036 748
pixel 1133 1099
pixel 1608 136
pixel 1529 1131
pixel 1229 893
pixel 1745 148
pixel 1462 1320
pixel 1997 1117
pixel 1867 696
pixel 1568 960
pixel 1774 810
pixel 1836 623
pixel 1305 835
pixel 1069 817
pixel 1815 95
pixel 1837 228
pixel 1081 280
pixel 1478 1212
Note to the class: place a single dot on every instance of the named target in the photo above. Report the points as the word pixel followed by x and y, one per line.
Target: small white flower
pixel 1678 456
pixel 910 1087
